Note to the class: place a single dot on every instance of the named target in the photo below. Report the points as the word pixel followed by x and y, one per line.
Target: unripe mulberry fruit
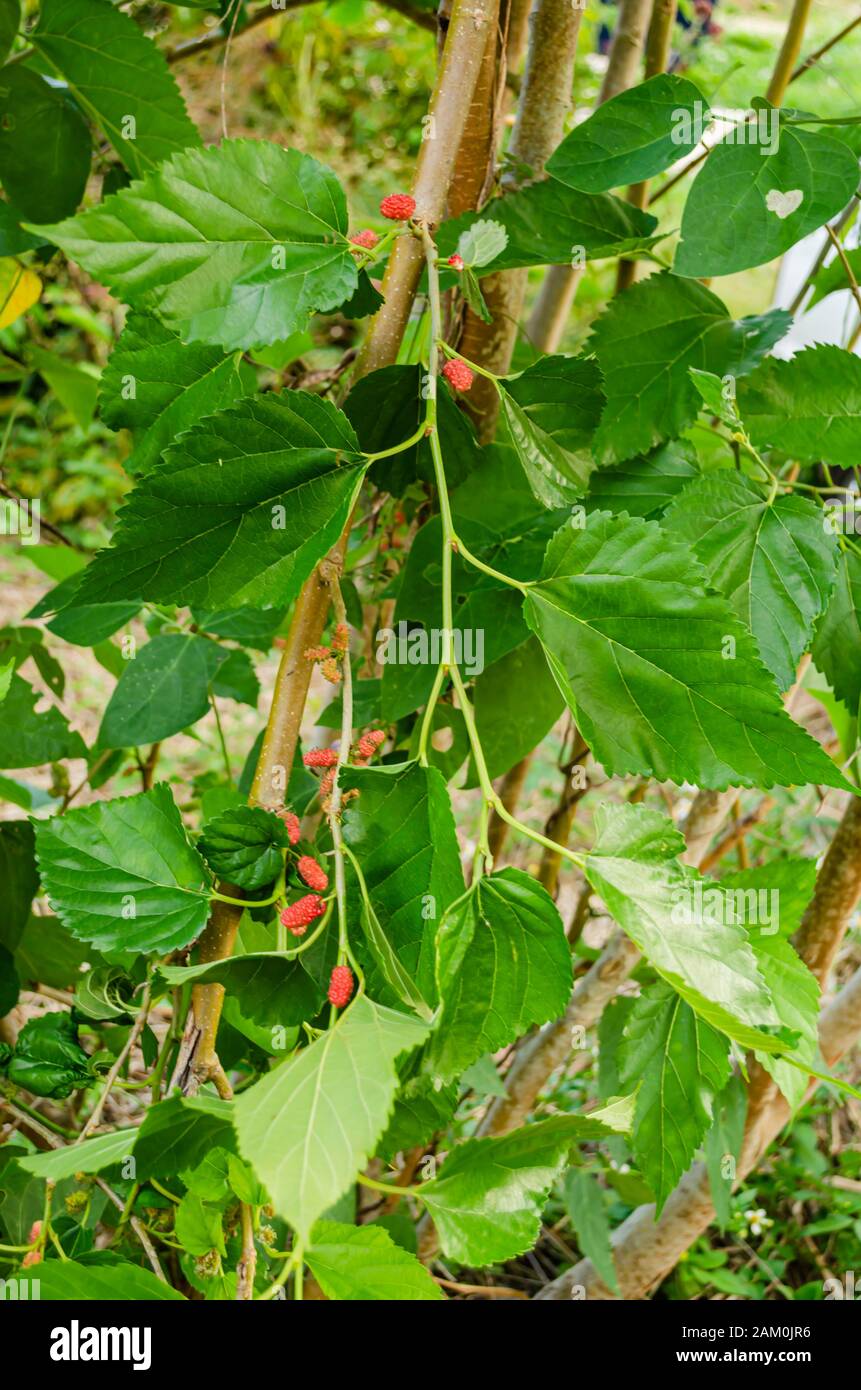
pixel 366 239
pixel 320 757
pixel 298 917
pixel 398 207
pixel 33 1257
pixel 311 873
pixel 316 653
pixel 291 822
pixel 455 261
pixel 458 375
pixel 331 671
pixel 341 986
pixel 340 638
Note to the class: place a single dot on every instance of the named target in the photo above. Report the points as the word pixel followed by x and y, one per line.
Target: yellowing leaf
pixel 19 291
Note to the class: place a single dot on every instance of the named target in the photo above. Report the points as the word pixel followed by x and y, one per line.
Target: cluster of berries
pixel 399 207
pixel 326 758
pixel 331 657
pixel 298 916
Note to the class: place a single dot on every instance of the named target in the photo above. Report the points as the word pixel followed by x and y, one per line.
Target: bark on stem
pixel 449 111
pixel 789 51
pixel 510 790
pixel 545 99
pixel 553 304
pixel 658 46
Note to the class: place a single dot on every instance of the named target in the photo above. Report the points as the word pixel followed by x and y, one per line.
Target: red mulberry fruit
pixel 298 917
pixel 312 874
pixel 320 757
pixel 398 207
pixel 341 986
pixel 458 375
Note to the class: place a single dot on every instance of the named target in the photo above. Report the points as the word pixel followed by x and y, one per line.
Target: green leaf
pixel 584 1201
pixel 310 1125
pixel 678 1064
pixel 64 1281
pixel 93 1156
pixel 25 795
pixel 163 690
pixel 28 738
pixel 550 224
pixel 48 1059
pixel 122 875
pixel 662 677
pixel 10 984
pixel 244 846
pixel 251 626
pixel 117 75
pixel 489 620
pixel 48 954
pixel 809 407
pixel 158 387
pixel 419 1112
pixel 13 238
pixel 241 268
pixel 766 200
pixel 75 387
pixel 682 923
pixel 272 989
pixel 483 1078
pixel 235 678
pixel 19 877
pixel 244 1184
pixel 240 510
pixel 503 965
pixel 795 991
pixel 723 1146
pixel 387 407
pixel 645 342
pixel 209 1178
pixel 488 1203
pixel 481 243
pixel 401 830
pixel 389 965
pixel 198 1226
pixel 552 411
pixel 84 625
pixel 790 884
pixel 105 992
pixel 516 702
pixel 638 133
pixel 644 486
pixel 772 558
pixel 177 1133
pixel 837 648
pixel 363 1263
pixel 44 177
pixel 10 20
